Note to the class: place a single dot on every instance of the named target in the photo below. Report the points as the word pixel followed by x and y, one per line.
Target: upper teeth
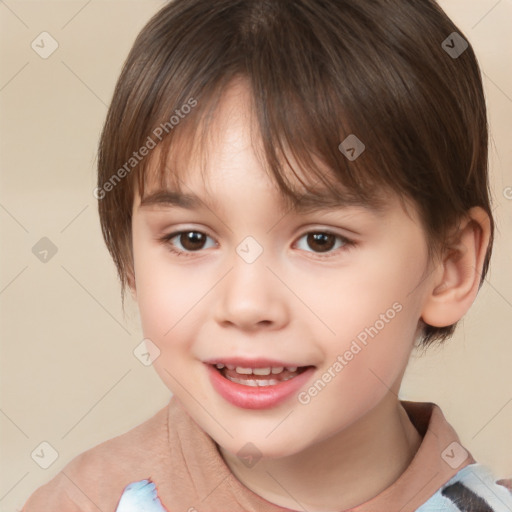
pixel 256 371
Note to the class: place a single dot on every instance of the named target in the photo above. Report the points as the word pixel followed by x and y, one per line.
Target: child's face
pixel 294 304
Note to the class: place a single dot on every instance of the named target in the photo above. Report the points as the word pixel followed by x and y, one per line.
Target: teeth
pixel 258 383
pixel 257 371
pixel 261 371
pixel 243 371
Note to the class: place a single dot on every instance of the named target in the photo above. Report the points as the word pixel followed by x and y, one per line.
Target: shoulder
pixel 474 487
pixel 97 477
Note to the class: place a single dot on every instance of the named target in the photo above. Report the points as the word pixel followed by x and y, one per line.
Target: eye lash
pixel 347 243
pixel 165 240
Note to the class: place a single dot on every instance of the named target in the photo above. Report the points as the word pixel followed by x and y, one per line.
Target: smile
pixel 257 385
pixel 255 377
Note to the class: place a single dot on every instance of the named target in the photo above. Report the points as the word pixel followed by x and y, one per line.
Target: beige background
pixel 68 373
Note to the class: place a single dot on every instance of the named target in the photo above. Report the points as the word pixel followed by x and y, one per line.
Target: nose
pixel 251 297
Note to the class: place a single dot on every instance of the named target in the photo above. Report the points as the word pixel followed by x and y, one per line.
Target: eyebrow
pixel 307 203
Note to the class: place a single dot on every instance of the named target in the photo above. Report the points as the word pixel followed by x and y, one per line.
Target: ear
pixel 456 280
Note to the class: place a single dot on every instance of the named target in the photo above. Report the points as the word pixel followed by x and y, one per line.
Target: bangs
pixel 306 100
pixel 288 147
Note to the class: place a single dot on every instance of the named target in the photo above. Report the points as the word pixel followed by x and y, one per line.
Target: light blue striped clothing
pixel 472 489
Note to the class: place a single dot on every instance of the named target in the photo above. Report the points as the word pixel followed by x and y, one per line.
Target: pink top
pixel 184 463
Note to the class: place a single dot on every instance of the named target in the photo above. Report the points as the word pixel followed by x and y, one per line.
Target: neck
pixel 340 472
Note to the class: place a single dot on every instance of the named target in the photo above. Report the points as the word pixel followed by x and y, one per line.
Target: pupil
pixel 192 237
pixel 320 239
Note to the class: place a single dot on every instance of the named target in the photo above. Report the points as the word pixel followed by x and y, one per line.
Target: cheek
pixel 377 291
pixel 165 302
pixel 364 363
pixel 372 311
pixel 171 299
pixel 162 293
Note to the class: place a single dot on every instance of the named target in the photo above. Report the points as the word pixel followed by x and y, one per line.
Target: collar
pixel 213 486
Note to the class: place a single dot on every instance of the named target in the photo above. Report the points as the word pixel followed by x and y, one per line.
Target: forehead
pixel 182 181
pixel 192 190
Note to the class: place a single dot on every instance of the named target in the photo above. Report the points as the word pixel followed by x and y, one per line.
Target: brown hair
pixel 318 71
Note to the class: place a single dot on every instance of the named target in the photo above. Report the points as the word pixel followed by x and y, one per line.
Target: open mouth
pixel 259 377
pixel 259 383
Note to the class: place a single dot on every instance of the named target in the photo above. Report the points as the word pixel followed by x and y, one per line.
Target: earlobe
pixel 456 281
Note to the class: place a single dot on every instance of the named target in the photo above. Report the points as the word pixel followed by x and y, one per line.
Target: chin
pixel 252 451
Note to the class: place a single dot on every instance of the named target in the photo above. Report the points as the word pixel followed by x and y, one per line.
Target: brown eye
pixel 185 243
pixel 192 240
pixel 324 242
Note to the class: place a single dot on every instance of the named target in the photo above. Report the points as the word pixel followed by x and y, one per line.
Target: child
pixel 328 158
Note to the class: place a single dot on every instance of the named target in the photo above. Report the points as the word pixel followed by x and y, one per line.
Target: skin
pixel 295 303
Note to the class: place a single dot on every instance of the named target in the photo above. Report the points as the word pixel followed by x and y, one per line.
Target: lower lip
pixel 261 397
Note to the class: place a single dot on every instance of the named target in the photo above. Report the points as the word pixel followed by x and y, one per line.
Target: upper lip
pixel 259 362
